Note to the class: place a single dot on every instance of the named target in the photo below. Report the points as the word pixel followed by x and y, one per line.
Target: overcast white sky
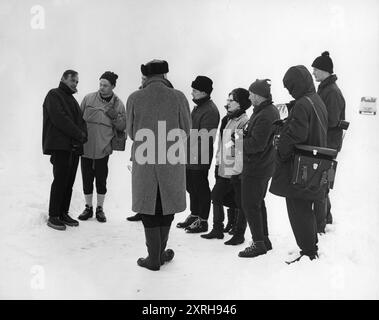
pixel 233 42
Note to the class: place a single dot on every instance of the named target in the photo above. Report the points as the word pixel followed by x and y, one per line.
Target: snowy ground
pixel 98 261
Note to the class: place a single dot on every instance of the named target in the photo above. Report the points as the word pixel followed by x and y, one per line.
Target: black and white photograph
pixel 214 150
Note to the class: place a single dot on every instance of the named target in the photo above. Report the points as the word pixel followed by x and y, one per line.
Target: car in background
pixel 368 105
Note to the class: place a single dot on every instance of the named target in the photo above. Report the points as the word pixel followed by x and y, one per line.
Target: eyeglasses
pixel 229 100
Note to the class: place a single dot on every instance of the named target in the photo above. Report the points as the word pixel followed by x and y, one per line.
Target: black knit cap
pixel 110 76
pixel 202 83
pixel 154 67
pixel 323 62
pixel 241 96
pixel 261 88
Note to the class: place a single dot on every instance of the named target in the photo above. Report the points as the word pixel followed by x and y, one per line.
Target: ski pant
pixel 197 186
pixel 254 190
pixel 240 226
pixel 65 165
pixel 157 220
pixel 94 169
pixel 303 223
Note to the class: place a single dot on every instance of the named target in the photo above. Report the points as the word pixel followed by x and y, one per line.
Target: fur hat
pixel 203 83
pixel 154 67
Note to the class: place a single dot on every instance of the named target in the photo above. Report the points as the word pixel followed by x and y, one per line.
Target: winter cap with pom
pixel 110 76
pixel 323 62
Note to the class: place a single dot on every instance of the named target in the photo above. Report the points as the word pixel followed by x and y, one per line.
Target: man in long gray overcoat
pixel 158 122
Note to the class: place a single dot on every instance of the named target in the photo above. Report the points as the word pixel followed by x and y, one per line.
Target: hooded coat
pixel 303 126
pixel 157 101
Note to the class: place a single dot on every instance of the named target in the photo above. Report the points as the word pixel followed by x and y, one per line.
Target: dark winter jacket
pixel 258 149
pixel 302 127
pixel 63 124
pixel 204 116
pixel 335 105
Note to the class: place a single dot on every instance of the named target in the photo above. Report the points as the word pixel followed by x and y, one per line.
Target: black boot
pixel 231 220
pixel 87 213
pixel 100 216
pixel 153 244
pixel 136 217
pixel 214 234
pixel 56 223
pixel 235 240
pixel 239 230
pixel 186 223
pixel 67 220
pixel 166 255
pixel 233 230
pixel 267 243
pixel 218 223
pixel 256 249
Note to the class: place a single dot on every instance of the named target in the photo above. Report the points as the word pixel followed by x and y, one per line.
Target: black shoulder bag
pixel 314 168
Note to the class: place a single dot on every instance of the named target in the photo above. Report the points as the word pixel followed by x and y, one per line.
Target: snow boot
pixel 67 220
pixel 186 223
pixel 214 234
pixel 56 223
pixel 87 213
pixel 100 216
pixel 166 255
pixel 136 217
pixel 153 244
pixel 198 226
pixel 256 249
pixel 231 220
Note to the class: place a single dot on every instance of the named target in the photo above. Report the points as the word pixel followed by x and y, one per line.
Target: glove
pixel 111 113
pixel 84 138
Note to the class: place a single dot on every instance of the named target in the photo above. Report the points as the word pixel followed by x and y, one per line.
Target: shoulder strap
pixel 318 117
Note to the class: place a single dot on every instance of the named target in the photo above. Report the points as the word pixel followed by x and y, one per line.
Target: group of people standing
pixel 247 155
pixel 242 175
